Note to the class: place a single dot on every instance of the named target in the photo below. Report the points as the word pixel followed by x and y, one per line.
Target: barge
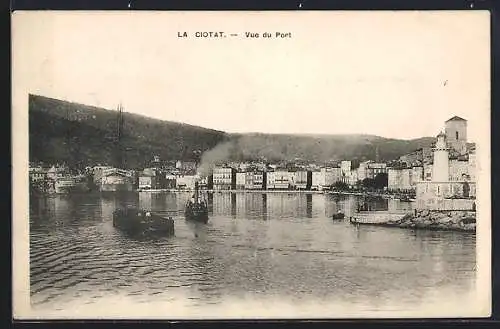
pixel 142 222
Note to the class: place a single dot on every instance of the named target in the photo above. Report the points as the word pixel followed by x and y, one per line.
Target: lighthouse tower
pixel 440 167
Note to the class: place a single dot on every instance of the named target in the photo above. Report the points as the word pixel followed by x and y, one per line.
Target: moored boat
pixel 142 222
pixel 196 209
pixel 338 215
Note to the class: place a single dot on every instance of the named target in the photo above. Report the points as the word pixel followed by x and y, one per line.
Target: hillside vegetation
pixel 60 131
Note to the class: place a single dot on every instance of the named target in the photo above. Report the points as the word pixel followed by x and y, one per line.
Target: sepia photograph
pixel 251 165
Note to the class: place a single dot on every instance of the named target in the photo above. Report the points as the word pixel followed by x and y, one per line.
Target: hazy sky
pixel 393 74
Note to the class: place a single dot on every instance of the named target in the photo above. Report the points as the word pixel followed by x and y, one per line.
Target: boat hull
pixel 141 223
pixel 338 216
pixel 198 215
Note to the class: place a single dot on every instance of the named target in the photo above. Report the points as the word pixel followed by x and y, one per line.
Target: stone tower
pixel 440 167
pixel 456 134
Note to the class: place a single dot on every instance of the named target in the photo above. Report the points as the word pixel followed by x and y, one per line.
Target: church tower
pixel 456 134
pixel 440 167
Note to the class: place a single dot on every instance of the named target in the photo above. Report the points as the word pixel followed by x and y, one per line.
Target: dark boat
pixel 339 215
pixel 196 209
pixel 142 222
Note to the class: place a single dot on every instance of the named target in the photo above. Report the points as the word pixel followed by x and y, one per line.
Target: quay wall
pixel 452 220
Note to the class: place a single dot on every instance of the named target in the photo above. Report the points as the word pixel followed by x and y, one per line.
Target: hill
pixel 91 132
pixel 76 133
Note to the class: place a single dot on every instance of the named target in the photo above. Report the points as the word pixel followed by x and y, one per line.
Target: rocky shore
pixel 432 220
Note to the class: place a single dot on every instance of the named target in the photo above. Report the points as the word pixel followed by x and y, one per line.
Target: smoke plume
pixel 214 157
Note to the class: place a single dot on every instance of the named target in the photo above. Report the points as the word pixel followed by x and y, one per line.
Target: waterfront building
pixel 427 171
pixel 417 175
pixel 249 180
pixel 336 176
pixel 186 182
pixel 56 172
pixel 345 167
pixel 240 180
pixel 353 178
pixel 299 180
pixel 375 168
pixel 329 178
pixel 363 170
pixel 170 181
pixel 37 174
pixel 97 172
pixel 149 182
pixel 458 168
pixel 117 180
pixel 325 178
pixel 224 178
pixel 255 180
pixel 318 180
pixel 278 179
pixel 399 179
pixel 369 169
pixel 472 165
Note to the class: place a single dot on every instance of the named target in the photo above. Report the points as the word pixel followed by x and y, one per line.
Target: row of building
pixel 401 176
pixel 451 159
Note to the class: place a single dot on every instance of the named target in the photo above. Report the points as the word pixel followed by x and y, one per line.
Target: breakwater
pixel 455 220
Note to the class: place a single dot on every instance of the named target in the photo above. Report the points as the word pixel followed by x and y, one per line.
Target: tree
pixel 340 185
pixel 368 183
pixel 381 181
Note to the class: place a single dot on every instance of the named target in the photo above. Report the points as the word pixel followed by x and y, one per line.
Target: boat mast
pixel 196 191
pixel 119 133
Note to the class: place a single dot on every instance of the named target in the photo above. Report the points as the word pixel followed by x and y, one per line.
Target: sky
pixel 392 74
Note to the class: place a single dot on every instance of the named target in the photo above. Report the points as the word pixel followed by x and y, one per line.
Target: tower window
pixel 456 134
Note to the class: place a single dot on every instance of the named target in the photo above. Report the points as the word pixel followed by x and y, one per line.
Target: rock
pixel 469 220
pixel 469 227
pixel 421 225
pixel 427 222
pixel 443 220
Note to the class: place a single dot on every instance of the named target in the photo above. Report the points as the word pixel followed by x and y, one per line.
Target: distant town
pixel 443 169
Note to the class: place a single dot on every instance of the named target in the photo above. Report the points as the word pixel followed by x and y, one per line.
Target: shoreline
pixel 372 194
pixel 361 194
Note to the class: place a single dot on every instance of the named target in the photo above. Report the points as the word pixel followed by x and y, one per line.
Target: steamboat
pixel 196 208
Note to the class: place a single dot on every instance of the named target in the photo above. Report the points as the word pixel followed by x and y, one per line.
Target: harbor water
pixel 261 254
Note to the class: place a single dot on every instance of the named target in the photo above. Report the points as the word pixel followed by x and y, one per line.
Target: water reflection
pixel 264 206
pixel 255 245
pixel 233 205
pixel 309 205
